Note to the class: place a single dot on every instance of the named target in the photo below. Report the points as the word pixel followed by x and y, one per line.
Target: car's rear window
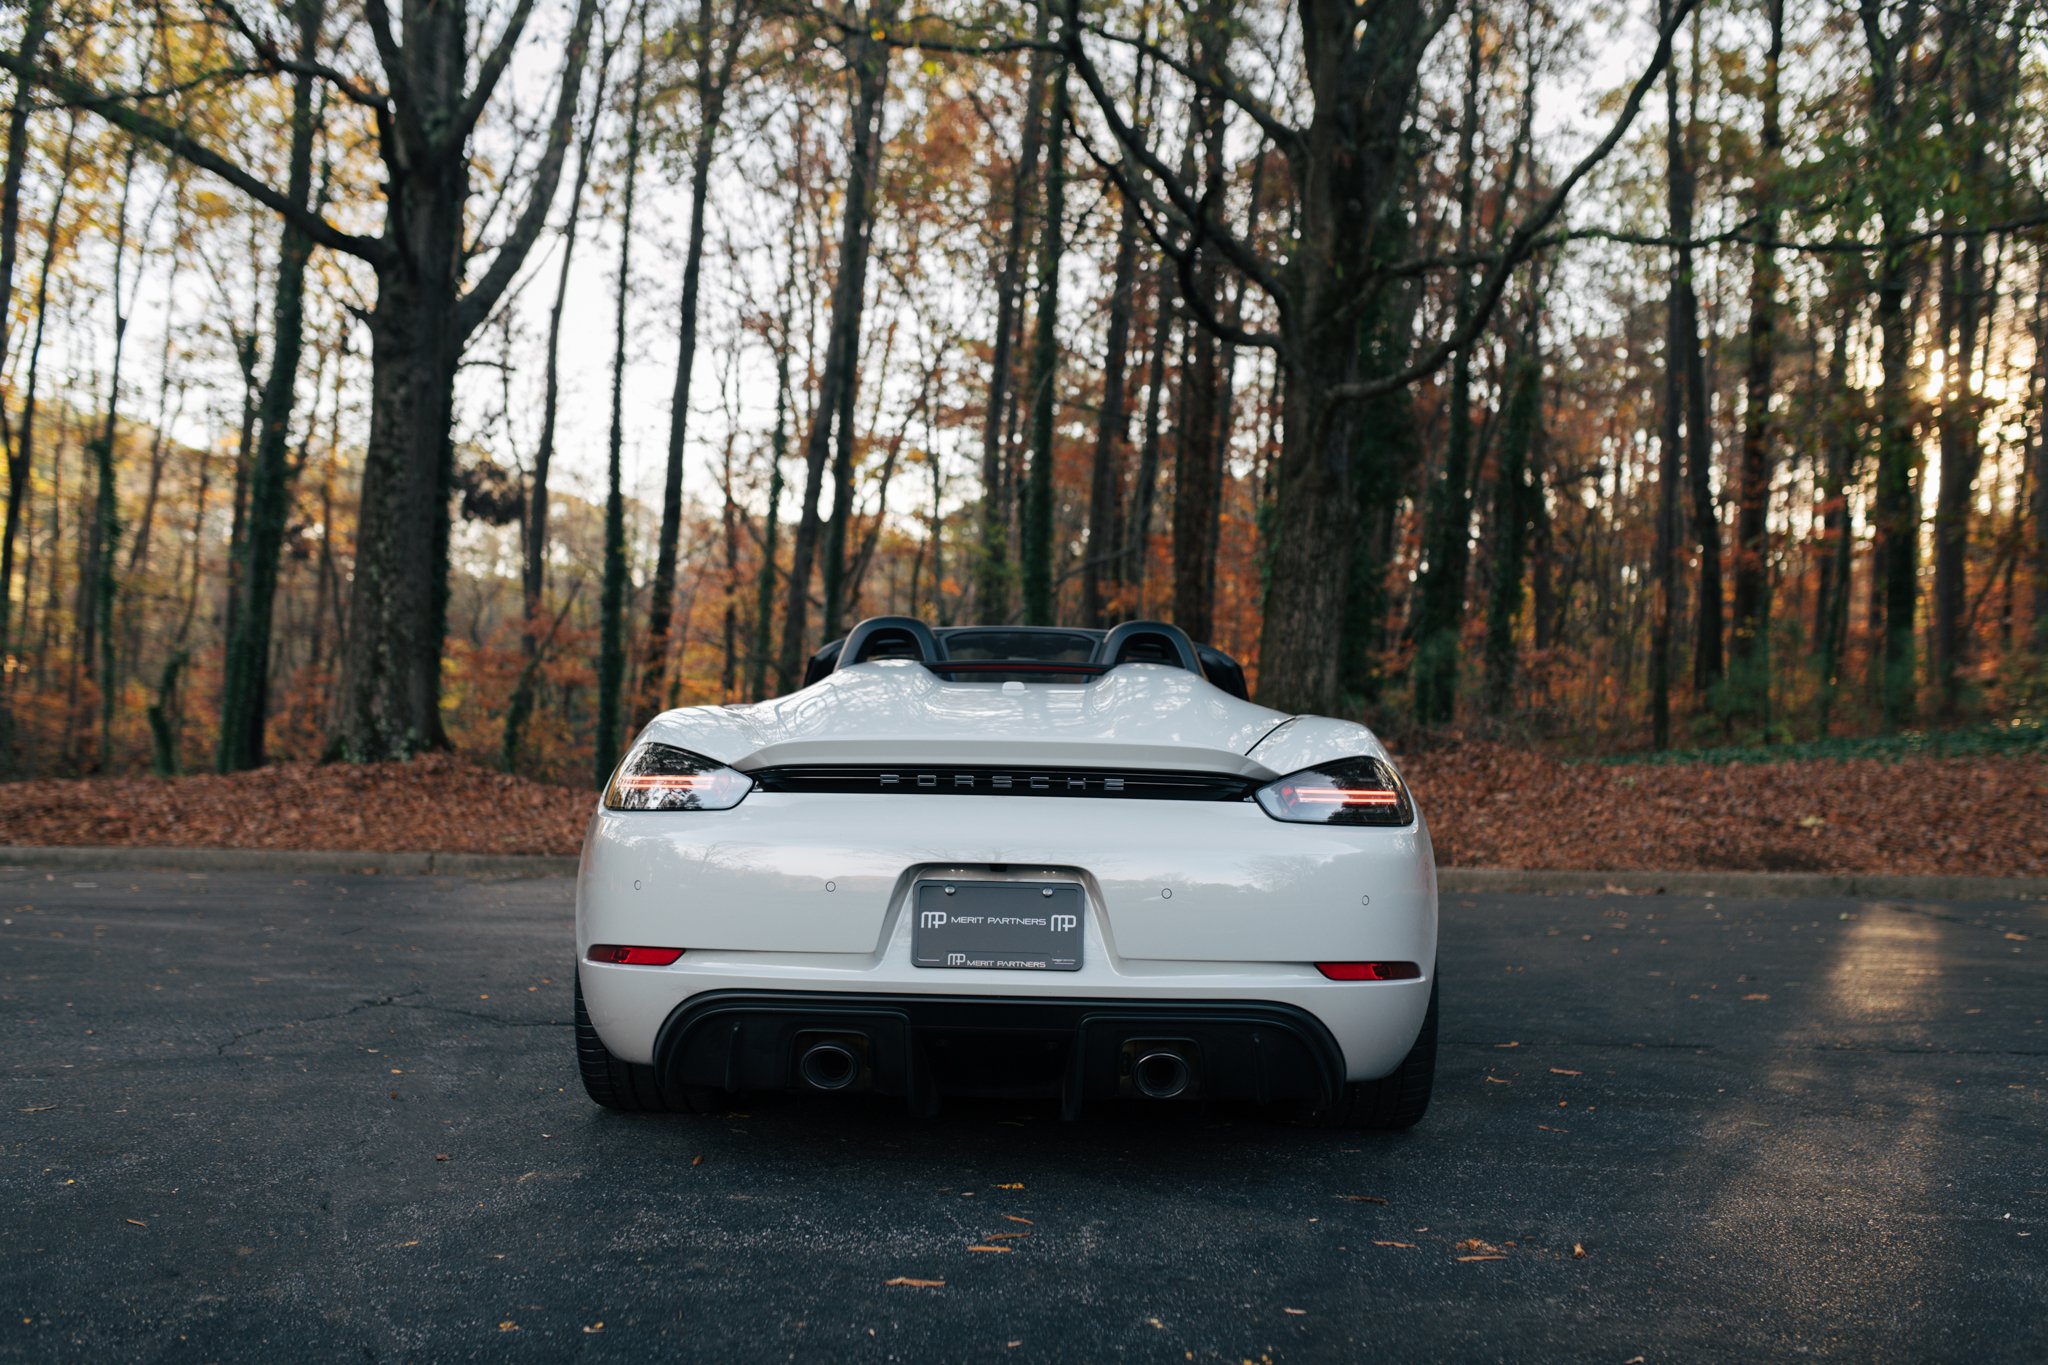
pixel 1039 646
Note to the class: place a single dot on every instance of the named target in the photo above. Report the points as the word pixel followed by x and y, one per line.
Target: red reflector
pixel 1370 971
pixel 626 956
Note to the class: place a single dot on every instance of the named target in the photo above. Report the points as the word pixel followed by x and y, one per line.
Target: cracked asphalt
pixel 254 1118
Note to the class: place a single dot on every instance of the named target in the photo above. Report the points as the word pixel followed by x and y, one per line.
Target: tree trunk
pixel 1682 183
pixel 245 682
pixel 1145 491
pixel 764 599
pixel 992 560
pixel 1896 510
pixel 1197 475
pixel 728 678
pixel 534 532
pixel 1441 592
pixel 21 457
pixel 1511 508
pixel 104 544
pixel 714 72
pixel 611 655
pixel 1101 569
pixel 1039 511
pixel 1315 525
pixel 1838 441
pixel 1962 455
pixel 1749 638
pixel 840 378
pixel 2040 466
pixel 387 701
pixel 35 23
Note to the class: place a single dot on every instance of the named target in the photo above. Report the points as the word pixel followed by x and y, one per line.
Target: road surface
pixel 250 1117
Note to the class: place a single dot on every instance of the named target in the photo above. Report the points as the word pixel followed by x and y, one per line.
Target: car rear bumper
pixel 921 1046
pixel 1186 904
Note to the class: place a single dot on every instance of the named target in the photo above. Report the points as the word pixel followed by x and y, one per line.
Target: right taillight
pixel 1351 791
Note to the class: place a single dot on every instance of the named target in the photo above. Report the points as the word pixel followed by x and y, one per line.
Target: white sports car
pixel 1010 861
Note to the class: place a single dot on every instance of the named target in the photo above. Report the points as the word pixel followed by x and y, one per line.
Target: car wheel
pixel 1397 1101
pixel 628 1087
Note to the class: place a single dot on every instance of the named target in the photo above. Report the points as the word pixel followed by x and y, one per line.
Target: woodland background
pixel 1602 378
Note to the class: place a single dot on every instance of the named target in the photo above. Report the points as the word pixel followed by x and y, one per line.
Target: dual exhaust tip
pixel 828 1066
pixel 1162 1074
pixel 1159 1074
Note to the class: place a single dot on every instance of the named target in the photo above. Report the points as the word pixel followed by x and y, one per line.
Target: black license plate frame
pixel 975 925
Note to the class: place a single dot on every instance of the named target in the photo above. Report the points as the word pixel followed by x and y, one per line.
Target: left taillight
pixel 662 777
pixel 1350 791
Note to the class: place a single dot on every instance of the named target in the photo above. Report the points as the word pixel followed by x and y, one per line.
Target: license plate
pixel 1020 926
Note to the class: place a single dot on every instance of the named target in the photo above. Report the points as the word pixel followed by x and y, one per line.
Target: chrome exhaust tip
pixel 1162 1075
pixel 828 1066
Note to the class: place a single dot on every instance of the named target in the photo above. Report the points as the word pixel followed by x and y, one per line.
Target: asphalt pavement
pixel 251 1117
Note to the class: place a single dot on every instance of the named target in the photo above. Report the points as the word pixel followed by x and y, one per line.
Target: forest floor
pixel 1489 805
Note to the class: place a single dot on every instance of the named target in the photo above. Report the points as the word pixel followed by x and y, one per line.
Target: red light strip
pixel 641 782
pixel 1344 796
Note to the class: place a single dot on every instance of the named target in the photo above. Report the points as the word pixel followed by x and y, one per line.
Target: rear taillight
pixel 663 777
pixel 1351 791
pixel 623 955
pixel 1370 971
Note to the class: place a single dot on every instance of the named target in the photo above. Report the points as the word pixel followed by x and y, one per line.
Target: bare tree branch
pixel 1234 250
pixel 458 130
pixel 477 304
pixel 1528 234
pixel 80 94
pixel 1283 134
pixel 1183 258
pixel 274 60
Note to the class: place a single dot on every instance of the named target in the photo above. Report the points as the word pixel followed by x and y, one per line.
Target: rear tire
pixel 1397 1101
pixel 628 1087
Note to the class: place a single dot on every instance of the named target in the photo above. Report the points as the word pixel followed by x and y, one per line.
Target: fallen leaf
pixel 413 1243
pixel 136 1221
pixel 508 1326
pixel 1495 1080
pixel 440 1156
pixel 985 1247
pixel 1017 1186
pixel 1295 1312
pixel 1015 1219
pixel 696 1161
pixel 1409 1246
pixel 1516 1044
pixel 37 1109
pixel 593 1329
pixel 1482 1258
pixel 1578 1251
pixel 908 1283
pixel 1474 1244
pixel 1756 995
pixel 1560 1071
pixel 1548 1129
pixel 1155 1322
pixel 999 1236
pixel 1362 1198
